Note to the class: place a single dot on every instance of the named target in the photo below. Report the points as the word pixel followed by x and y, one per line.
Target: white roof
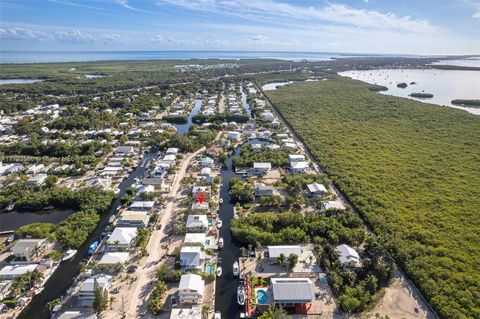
pixel 182 313
pixel 102 280
pixel 299 165
pixel 292 289
pixel 316 187
pixel 192 282
pixel 140 204
pixel 170 157
pixel 191 256
pixel 347 254
pixel 197 221
pixel 73 314
pixel 296 157
pixel 286 250
pixel 17 270
pixel 195 238
pixel 262 165
pixel 113 258
pixel 124 235
pixel 172 150
pixel 332 205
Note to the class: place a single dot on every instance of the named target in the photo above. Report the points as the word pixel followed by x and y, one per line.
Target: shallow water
pixel 14 220
pixel 18 81
pixel 273 86
pixel 445 85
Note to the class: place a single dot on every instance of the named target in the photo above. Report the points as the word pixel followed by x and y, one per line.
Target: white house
pixel 348 256
pixel 289 292
pixel 192 257
pixel 134 219
pixel 256 147
pixel 14 271
pixel 112 258
pixel 172 150
pixel 261 168
pixel 233 135
pixel 125 150
pixel 207 190
pixel 38 179
pixel 332 205
pixel 316 189
pixel 197 223
pixel 207 162
pixel 191 289
pixel 122 238
pixel 24 249
pixel 267 116
pixel 261 189
pixel 142 205
pixel 87 290
pixel 298 167
pixel 183 313
pixel 296 158
pixel 275 251
pixel 195 239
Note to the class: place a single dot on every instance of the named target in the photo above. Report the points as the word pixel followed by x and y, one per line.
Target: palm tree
pixel 281 260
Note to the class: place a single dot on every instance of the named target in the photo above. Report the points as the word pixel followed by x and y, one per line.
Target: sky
pixel 350 26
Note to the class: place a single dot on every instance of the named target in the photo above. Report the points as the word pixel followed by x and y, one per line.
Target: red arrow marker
pixel 200 197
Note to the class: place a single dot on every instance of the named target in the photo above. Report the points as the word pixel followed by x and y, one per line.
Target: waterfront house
pixel 113 258
pixel 191 289
pixel 348 256
pixel 125 150
pixel 291 146
pixel 122 239
pixel 298 167
pixel 316 189
pixel 37 180
pixel 142 205
pixel 136 219
pixel 261 168
pixel 275 251
pixel 172 150
pixel 293 292
pixel 195 239
pixel 233 135
pixel 183 313
pixel 267 116
pixel 207 190
pixel 11 272
pixel 87 289
pixel 197 223
pixel 203 207
pixel 76 314
pixel 192 258
pixel 103 183
pixel 207 162
pixel 25 249
pixel 169 158
pixel 35 168
pixel 206 173
pixel 256 147
pixel 261 189
pixel 273 147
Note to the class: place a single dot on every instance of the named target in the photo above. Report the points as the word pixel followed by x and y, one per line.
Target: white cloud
pixel 18 33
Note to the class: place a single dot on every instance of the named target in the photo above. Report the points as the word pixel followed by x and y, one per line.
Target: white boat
pixel 220 242
pixel 219 271
pixel 218 315
pixel 236 270
pixel 69 254
pixel 219 223
pixel 221 201
pixel 10 207
pixel 241 295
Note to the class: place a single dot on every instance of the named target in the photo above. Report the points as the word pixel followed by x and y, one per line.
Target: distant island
pixel 422 95
pixel 402 85
pixel 377 88
pixel 469 103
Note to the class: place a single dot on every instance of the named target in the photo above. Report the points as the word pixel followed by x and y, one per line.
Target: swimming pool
pixel 209 268
pixel 262 297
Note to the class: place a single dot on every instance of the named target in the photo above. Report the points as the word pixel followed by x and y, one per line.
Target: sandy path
pixel 146 271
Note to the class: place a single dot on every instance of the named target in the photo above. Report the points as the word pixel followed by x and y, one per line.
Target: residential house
pixel 261 168
pixel 25 249
pixel 256 147
pixel 138 219
pixel 122 239
pixel 261 189
pixel 348 256
pixel 296 158
pixel 207 190
pixel 275 251
pixel 113 258
pixel 87 289
pixel 292 292
pixel 37 180
pixel 233 135
pixel 316 189
pixel 125 150
pixel 197 223
pixel 298 167
pixel 142 205
pixel 207 162
pixel 11 272
pixel 191 289
pixel 332 205
pixel 195 239
pixel 192 258
pixel 172 150
pixel 183 313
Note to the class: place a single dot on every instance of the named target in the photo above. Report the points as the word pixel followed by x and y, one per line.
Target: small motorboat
pixel 10 207
pixel 241 295
pixel 220 242
pixel 219 271
pixel 218 315
pixel 221 201
pixel 69 254
pixel 92 248
pixel 219 223
pixel 236 270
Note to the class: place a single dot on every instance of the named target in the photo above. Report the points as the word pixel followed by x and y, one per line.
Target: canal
pixel 16 219
pixel 227 284
pixel 64 277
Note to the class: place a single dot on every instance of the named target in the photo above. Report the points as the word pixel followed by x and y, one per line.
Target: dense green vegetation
pixel 248 157
pixel 239 118
pixel 411 170
pixel 192 141
pixel 469 103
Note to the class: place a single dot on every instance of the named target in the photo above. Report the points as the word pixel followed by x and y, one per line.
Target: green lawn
pixel 411 169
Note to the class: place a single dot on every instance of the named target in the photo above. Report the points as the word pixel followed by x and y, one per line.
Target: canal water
pixel 14 220
pixel 183 128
